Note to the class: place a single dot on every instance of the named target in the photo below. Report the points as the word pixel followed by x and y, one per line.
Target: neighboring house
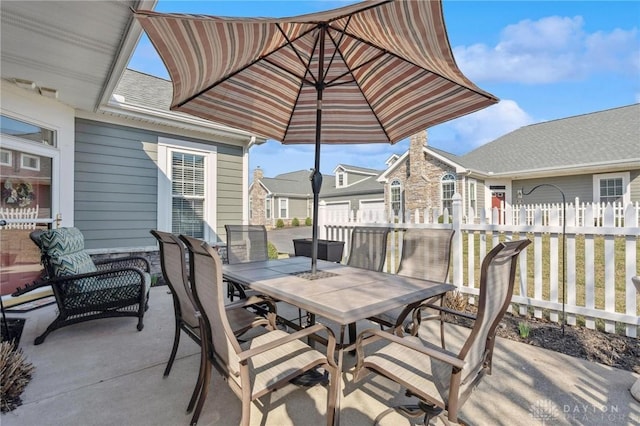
pixel 594 157
pixel 94 145
pixel 288 195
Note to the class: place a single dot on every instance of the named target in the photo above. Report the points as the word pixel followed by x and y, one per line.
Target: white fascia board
pixel 458 167
pixel 577 169
pixel 169 119
pixel 384 176
pixel 125 51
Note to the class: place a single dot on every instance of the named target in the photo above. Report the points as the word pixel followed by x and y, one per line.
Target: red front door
pixel 497 200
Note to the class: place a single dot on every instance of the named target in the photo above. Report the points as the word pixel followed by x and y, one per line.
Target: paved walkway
pixel 105 372
pixel 283 238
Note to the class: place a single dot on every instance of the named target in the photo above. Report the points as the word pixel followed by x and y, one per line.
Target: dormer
pixel 341 177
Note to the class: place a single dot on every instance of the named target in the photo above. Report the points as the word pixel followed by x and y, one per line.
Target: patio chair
pixel 85 290
pixel 175 273
pixel 426 254
pixel 443 379
pixel 263 365
pixel 245 243
pixel 367 250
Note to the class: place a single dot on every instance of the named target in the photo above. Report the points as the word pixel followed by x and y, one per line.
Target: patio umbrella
pixel 371 72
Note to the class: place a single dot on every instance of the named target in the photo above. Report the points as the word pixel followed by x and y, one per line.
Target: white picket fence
pixel 592 235
pixel 19 217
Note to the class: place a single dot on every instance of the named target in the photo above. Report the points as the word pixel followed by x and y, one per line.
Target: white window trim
pixel 268 208
pixel 10 156
pixel 165 147
pixel 626 196
pixel 17 144
pixel 400 186
pixel 286 201
pixel 455 188
pixel 344 179
pixel 475 195
pixel 24 156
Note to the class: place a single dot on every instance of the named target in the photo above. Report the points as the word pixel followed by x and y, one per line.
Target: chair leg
pixel 174 350
pixel 203 394
pixel 201 373
pixel 57 323
pixel 332 396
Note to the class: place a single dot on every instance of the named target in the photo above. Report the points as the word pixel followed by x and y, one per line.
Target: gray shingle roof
pixel 297 183
pixel 145 90
pixel 601 137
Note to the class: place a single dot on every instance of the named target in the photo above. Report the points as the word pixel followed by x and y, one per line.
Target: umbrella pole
pixel 316 177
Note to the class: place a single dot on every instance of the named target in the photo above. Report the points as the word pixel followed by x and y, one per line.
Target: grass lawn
pixel 598 267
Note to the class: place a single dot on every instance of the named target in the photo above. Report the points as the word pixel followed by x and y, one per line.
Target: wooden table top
pixel 341 293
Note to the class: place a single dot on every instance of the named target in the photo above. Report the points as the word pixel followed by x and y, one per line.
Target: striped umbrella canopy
pixel 376 71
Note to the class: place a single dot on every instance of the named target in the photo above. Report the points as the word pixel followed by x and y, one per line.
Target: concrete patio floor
pixel 105 372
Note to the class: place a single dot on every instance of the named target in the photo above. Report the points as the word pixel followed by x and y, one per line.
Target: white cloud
pixel 474 130
pixel 549 50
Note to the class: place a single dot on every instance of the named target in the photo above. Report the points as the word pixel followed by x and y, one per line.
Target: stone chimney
pixel 417 161
pixel 258 174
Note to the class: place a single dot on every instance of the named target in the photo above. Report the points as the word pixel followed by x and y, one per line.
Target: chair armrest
pixel 30 287
pixel 124 262
pixel 436 353
pixel 448 311
pixel 250 301
pixel 331 343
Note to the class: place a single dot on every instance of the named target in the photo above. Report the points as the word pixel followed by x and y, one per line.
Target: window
pixel 396 197
pixel 611 188
pixel 187 186
pixel 29 162
pixel 188 194
pixel 448 188
pixel 267 208
pixel 284 208
pixel 472 197
pixel 20 129
pixel 340 179
pixel 6 157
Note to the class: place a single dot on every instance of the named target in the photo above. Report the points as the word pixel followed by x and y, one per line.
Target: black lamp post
pixel 564 245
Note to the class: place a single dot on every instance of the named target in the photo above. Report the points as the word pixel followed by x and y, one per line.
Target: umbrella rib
pixel 479 92
pixel 250 64
pixel 290 44
pixel 350 71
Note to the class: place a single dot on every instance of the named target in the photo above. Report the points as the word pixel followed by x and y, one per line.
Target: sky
pixel 544 60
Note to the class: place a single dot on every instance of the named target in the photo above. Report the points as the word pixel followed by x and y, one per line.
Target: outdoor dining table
pixel 337 292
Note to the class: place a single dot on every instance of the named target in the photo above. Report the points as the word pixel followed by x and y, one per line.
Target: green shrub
pixel 272 251
pixel 441 219
pixel 307 221
pixel 295 222
pixel 280 223
pixel 524 329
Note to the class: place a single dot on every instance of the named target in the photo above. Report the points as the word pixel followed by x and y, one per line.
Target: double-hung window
pixel 187 188
pixel 284 208
pixel 611 188
pixel 187 194
pixel 448 188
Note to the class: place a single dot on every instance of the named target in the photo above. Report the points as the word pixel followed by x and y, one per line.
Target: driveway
pixel 283 238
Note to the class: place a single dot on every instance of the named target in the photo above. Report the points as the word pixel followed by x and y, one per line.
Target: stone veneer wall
pixel 152 256
pixel 258 196
pixel 422 186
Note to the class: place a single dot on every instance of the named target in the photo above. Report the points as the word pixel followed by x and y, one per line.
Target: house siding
pixel 634 185
pixel 230 189
pixel 116 184
pixel 580 186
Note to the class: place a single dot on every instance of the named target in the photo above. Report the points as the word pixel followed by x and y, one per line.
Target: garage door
pixel 372 211
pixel 338 212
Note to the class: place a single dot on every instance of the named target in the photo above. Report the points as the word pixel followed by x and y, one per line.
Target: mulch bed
pixel 593 345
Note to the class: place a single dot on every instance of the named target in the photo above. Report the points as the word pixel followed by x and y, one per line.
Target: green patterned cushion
pixel 65 249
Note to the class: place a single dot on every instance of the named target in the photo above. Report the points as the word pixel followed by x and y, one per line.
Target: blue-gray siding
pixel 116 184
